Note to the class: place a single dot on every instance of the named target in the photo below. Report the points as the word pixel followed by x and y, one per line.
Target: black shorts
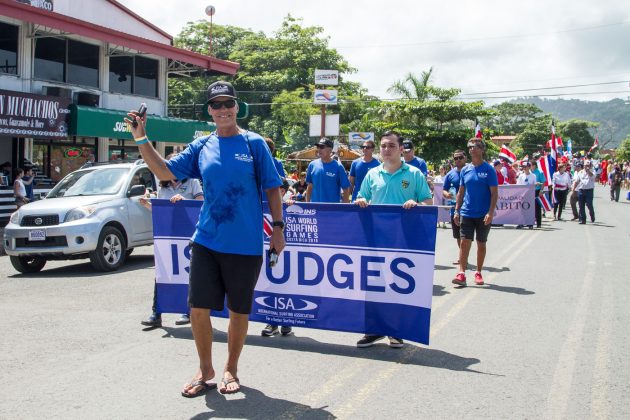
pixel 455 228
pixel 213 275
pixel 470 225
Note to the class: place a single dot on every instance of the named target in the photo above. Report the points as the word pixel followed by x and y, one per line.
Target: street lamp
pixel 210 12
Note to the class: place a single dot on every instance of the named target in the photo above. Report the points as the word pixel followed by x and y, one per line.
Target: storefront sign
pixel 29 115
pixel 88 121
pixel 357 139
pixel 40 4
pixel 72 152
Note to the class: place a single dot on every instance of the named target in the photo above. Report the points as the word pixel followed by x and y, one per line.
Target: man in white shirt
pixel 584 183
pixel 526 177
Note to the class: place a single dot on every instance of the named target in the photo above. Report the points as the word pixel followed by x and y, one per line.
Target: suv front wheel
pixel 28 264
pixel 109 254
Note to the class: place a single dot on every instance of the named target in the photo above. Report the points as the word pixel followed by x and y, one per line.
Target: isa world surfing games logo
pixel 325 97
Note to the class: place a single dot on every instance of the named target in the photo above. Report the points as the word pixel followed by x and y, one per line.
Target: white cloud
pixel 387 40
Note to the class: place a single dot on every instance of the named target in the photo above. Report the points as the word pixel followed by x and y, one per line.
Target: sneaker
pixel 183 320
pixel 396 343
pixel 270 330
pixel 285 331
pixel 369 340
pixel 460 279
pixel 478 279
pixel 154 320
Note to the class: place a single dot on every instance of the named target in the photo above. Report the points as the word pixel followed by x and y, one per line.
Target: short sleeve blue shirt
pixel 420 164
pixel 540 177
pixel 328 179
pixel 477 180
pixel 358 170
pixel 279 168
pixel 231 215
pixel 452 179
pixel 407 183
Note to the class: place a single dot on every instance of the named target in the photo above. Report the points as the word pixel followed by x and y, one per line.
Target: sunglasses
pixel 459 157
pixel 220 104
pixel 367 147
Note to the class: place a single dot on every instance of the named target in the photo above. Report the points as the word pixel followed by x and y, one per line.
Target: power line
pixel 489 38
pixel 545 88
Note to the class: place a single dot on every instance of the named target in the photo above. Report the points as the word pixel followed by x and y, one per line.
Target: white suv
pixel 93 212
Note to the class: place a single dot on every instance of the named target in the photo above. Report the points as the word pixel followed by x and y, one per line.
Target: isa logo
pixel 283 303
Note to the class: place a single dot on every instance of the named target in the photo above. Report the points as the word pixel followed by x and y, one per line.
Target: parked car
pixel 93 212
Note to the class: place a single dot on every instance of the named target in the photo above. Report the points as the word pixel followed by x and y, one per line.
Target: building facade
pixel 69 72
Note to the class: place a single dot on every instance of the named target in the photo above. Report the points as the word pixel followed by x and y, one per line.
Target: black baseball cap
pixel 325 142
pixel 407 145
pixel 220 89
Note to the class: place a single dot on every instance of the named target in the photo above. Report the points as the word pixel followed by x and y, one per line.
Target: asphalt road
pixel 546 337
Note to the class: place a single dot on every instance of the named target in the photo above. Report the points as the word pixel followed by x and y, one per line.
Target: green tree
pixel 534 136
pixel 623 151
pixel 579 133
pixel 509 118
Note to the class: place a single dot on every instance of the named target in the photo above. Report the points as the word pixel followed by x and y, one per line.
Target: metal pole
pixel 323 130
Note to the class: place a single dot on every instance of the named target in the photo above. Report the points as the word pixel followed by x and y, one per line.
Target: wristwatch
pixel 278 223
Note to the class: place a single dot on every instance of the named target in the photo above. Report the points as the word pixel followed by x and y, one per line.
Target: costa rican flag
pixel 478 133
pixel 267 227
pixel 544 202
pixel 543 165
pixel 507 154
pixel 553 155
pixel 595 144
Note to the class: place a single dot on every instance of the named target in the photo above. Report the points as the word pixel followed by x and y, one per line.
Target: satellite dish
pixel 210 10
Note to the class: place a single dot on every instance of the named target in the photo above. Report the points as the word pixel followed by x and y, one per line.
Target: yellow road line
pixel 374 384
pixel 560 390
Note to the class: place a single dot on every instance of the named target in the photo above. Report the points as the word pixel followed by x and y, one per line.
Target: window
pixel 120 74
pixel 137 75
pixel 50 59
pixel 83 63
pixel 8 48
pixel 65 60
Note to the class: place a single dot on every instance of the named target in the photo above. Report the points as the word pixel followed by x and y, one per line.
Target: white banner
pixel 327 77
pixel 332 125
pixel 325 97
pixel 515 205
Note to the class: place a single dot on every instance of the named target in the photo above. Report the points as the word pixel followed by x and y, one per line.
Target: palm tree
pixel 413 87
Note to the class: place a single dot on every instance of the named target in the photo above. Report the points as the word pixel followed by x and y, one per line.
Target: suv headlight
pixel 15 217
pixel 79 213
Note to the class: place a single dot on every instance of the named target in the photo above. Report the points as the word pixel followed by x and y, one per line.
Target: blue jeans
pixel 585 198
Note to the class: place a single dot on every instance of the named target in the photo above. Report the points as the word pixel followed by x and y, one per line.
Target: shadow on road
pixel 506 289
pixel 409 355
pixel 85 269
pixel 444 267
pixel 439 290
pixel 257 405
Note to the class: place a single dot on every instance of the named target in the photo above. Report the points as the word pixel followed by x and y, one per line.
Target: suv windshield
pixel 90 182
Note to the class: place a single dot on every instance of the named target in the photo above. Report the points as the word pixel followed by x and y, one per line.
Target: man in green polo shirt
pixel 392 182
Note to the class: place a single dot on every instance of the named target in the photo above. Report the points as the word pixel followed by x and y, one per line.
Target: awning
pixel 75 26
pixel 86 121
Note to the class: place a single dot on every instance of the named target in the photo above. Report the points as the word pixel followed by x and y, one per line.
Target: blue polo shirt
pixel 358 170
pixel 452 179
pixel 540 177
pixel 328 180
pixel 407 183
pixel 420 164
pixel 231 215
pixel 477 180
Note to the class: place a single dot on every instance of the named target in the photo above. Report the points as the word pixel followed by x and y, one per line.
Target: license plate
pixel 37 235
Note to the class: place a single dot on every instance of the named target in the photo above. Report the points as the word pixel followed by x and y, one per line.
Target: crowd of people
pixel 237 171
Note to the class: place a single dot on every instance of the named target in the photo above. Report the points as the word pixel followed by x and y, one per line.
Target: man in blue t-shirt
pixel 474 210
pixel 410 159
pixel 233 166
pixel 326 177
pixel 276 162
pixel 450 189
pixel 361 166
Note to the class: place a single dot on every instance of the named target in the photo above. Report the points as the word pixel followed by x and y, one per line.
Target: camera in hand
pixel 141 112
